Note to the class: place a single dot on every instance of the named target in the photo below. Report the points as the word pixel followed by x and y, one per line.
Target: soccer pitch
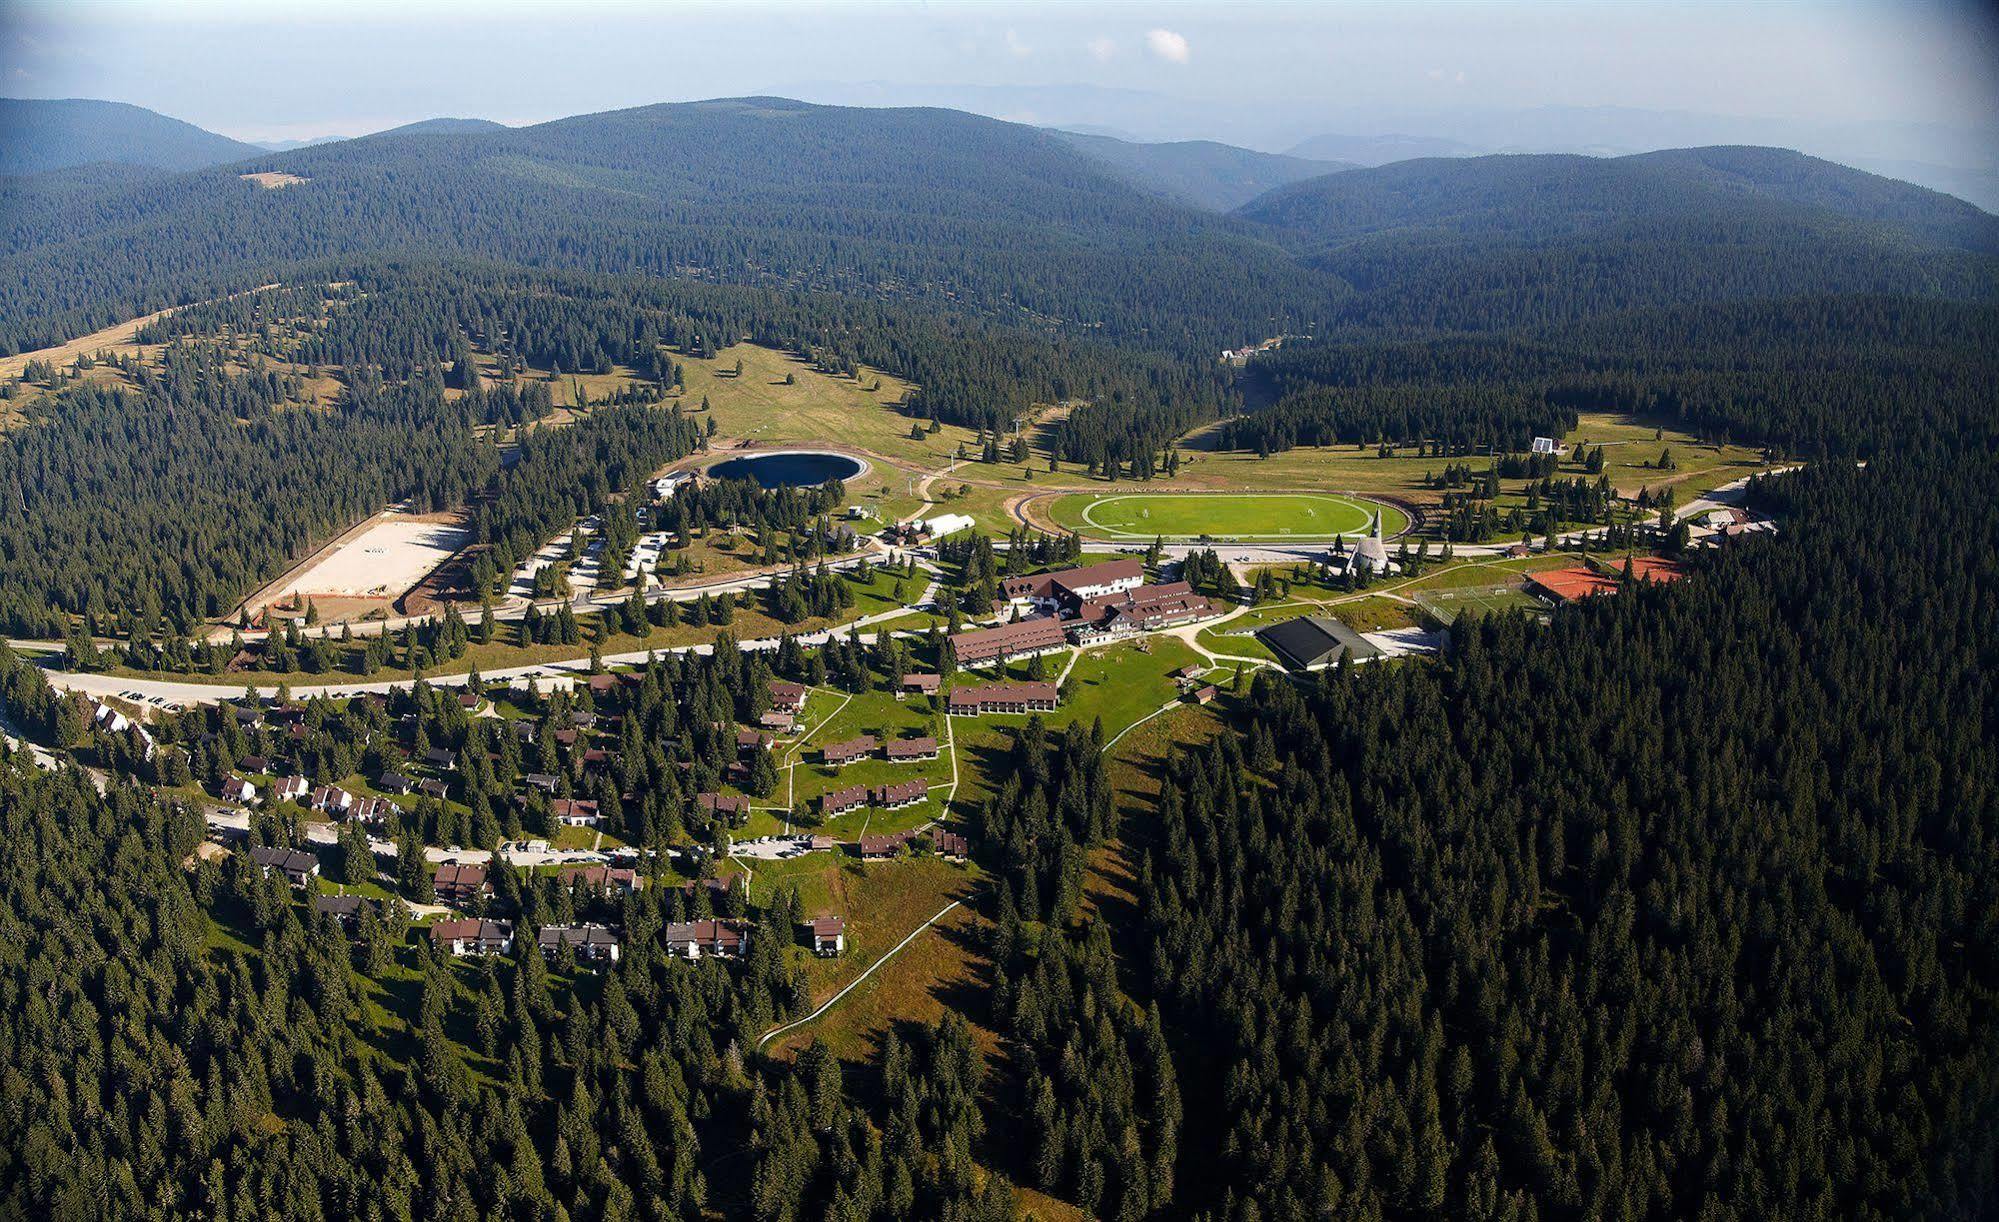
pixel 1222 515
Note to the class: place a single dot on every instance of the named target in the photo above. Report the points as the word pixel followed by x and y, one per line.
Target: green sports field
pixel 1221 515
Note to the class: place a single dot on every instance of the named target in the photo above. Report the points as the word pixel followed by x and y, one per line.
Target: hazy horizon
pixel 1262 71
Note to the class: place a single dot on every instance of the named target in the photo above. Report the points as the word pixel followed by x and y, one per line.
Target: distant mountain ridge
pixel 38 135
pixel 1201 173
pixel 1533 239
pixel 991 216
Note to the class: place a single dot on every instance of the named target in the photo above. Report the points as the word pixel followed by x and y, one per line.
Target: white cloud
pixel 1167 45
pixel 1102 49
pixel 1015 45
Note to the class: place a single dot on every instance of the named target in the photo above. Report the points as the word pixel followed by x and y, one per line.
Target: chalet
pixel 723 803
pixel 236 789
pixel 692 939
pixel 835 755
pixel 1205 695
pixel 603 685
pixel 331 800
pixel 904 793
pixel 787 697
pixel 374 810
pixel 298 866
pixel 566 738
pixel 256 764
pixel 583 719
pixel 752 740
pixel 1190 672
pixel 574 812
pixel 777 721
pixel 247 716
pixel 293 788
pixel 1547 445
pixel 1003 698
pixel 469 700
pixel 1068 589
pixel 876 848
pixel 592 943
pixel 1021 639
pixel 431 787
pixel 717 888
pixel 920 685
pixel 111 719
pixel 458 884
pixel 394 782
pixel 910 750
pixel 601 878
pixel 951 846
pixel 473 936
pixel 345 909
pixel 439 757
pixel 540 781
pixel 826 935
pixel 840 801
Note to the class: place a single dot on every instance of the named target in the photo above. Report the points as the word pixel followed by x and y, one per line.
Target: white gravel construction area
pixel 382 562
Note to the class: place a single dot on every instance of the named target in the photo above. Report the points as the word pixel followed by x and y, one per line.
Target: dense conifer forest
pixel 1683 903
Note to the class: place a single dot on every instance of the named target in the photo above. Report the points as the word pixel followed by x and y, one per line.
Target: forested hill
pixel 1501 242
pixel 917 204
pixel 38 135
pixel 1201 173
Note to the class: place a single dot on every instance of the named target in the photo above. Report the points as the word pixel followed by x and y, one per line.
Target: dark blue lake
pixel 797 469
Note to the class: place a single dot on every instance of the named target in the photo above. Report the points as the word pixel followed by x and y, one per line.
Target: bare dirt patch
pixel 273 180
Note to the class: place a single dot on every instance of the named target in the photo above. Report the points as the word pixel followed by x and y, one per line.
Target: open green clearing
pixel 1275 515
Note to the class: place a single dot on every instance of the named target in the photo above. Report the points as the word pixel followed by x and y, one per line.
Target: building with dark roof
pixel 909 750
pixel 827 935
pixel 592 943
pixel 298 866
pixel 1020 639
pixel 903 793
pixel 692 939
pixel 1315 640
pixel 834 755
pixel 1070 588
pixel 473 936
pixel 840 801
pixel 1003 698
pixel 458 884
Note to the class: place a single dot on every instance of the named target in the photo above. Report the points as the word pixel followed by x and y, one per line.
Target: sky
pixel 1263 74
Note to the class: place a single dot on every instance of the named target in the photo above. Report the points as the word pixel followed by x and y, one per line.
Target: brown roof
pixel 721 801
pixel 1022 636
pixel 1068 581
pixel 911 748
pixel 902 792
pixel 844 799
pixel 925 683
pixel 852 749
pixel 885 845
pixel 472 929
pixel 711 934
pixel 1147 605
pixel 600 876
pixel 1003 694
